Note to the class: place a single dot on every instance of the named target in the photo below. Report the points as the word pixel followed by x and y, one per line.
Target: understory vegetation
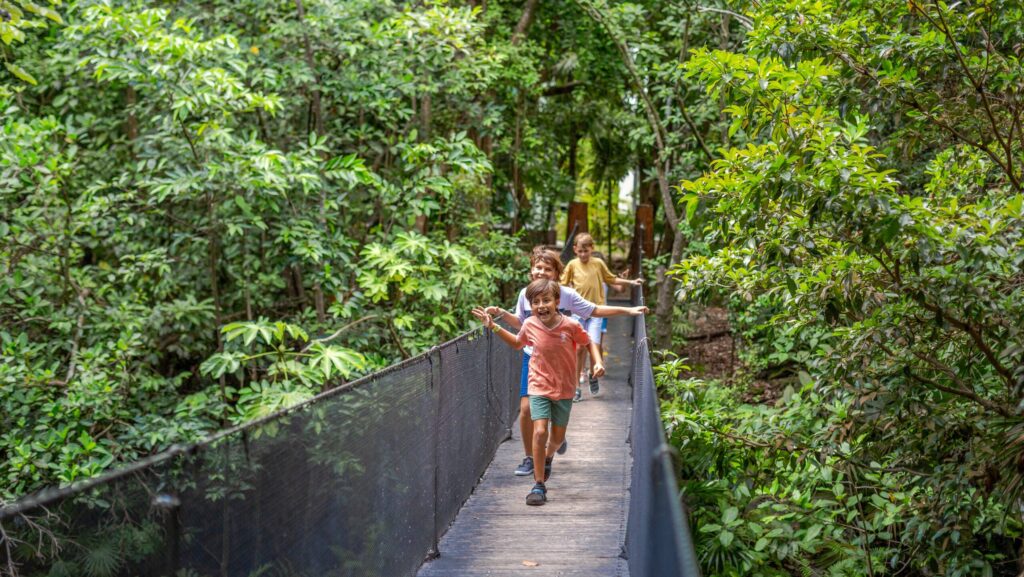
pixel 866 235
pixel 211 211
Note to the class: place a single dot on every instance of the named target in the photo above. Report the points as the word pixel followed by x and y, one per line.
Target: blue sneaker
pixel 595 387
pixel 564 447
pixel 525 468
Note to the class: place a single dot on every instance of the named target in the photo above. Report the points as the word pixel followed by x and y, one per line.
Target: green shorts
pixel 555 411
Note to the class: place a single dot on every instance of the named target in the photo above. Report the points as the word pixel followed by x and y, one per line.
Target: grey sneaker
pixel 538 495
pixel 595 387
pixel 563 447
pixel 578 396
pixel 525 468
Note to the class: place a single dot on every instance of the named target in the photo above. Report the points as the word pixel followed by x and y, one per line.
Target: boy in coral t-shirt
pixel 552 372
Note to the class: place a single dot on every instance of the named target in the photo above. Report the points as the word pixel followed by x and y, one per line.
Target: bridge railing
pixel 362 481
pixel 658 539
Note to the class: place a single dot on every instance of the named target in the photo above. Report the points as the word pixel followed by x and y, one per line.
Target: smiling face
pixel 541 269
pixel 545 307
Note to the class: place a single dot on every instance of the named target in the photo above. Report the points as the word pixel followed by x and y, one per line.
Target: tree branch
pixel 978 87
pixel 337 332
pixel 524 22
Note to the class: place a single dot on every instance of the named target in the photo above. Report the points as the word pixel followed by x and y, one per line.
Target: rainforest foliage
pixel 865 227
pixel 213 210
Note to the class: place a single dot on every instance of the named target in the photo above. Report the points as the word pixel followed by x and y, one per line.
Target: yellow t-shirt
pixel 587 278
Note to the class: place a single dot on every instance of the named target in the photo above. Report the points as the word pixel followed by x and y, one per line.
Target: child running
pixel 587 275
pixel 555 338
pixel 546 264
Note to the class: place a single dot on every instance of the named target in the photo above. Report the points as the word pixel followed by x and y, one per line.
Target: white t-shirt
pixel 569 302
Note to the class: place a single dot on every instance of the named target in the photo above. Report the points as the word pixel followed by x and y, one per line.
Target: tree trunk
pixel 666 290
pixel 132 127
pixel 529 10
pixel 667 297
pixel 611 233
pixel 314 90
pixel 518 188
pixel 316 108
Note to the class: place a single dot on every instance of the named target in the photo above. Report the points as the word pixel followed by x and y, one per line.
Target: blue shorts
pixel 524 375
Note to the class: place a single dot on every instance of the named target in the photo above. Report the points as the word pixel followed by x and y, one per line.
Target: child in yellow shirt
pixel 588 275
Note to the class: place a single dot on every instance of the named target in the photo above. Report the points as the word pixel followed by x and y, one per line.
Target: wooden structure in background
pixel 643 236
pixel 645 217
pixel 577 217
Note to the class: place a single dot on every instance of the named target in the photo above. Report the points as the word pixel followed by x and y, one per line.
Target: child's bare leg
pixel 540 442
pixel 557 436
pixel 526 425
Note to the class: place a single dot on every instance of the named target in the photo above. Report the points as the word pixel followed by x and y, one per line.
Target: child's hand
pixel 637 311
pixel 638 282
pixel 483 316
pixel 598 370
pixel 494 311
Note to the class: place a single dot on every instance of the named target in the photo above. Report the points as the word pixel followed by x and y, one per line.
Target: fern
pixel 102 558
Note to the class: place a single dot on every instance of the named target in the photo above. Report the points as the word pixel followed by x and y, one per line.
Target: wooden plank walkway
pixel 581 530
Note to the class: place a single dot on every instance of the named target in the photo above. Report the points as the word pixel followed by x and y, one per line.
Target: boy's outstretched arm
pixel 602 311
pixel 500 313
pixel 509 338
pixel 620 284
pixel 595 353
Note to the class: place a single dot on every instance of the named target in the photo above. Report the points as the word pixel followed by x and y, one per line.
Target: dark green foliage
pixel 176 170
pixel 868 236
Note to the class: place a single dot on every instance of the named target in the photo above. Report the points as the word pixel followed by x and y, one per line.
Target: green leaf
pixel 20 73
pixel 812 533
pixel 726 537
pixel 692 201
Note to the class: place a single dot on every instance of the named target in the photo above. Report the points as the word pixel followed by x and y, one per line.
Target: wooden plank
pixel 581 531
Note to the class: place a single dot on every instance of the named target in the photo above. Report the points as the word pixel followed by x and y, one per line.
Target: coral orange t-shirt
pixel 553 361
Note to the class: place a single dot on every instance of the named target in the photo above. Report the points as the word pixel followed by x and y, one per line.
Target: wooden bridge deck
pixel 581 530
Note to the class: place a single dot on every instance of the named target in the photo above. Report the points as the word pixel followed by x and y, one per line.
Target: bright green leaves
pixel 202 78
pixel 20 73
pixel 283 366
pixel 17 16
pixel 276 341
pixel 331 360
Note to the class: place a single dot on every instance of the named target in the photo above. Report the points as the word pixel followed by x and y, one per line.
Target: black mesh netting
pixel 360 481
pixel 658 540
